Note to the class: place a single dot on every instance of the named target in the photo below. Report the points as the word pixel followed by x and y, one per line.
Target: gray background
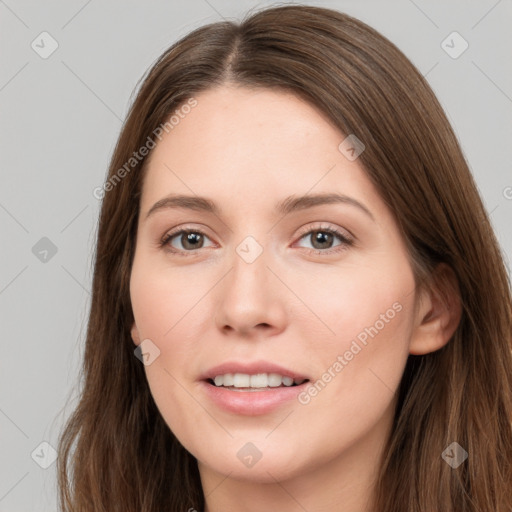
pixel 59 120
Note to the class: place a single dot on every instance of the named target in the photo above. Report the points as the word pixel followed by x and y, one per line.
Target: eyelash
pixel 344 245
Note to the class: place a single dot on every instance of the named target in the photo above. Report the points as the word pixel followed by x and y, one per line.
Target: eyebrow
pixel 288 205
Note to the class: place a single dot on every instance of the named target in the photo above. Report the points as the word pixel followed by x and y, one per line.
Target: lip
pixel 250 403
pixel 251 368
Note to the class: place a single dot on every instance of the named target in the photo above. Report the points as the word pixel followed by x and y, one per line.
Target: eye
pixel 322 240
pixel 184 240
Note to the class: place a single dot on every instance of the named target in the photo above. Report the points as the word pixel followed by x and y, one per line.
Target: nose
pixel 251 299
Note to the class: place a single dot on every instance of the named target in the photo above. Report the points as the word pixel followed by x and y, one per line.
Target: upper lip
pixel 251 368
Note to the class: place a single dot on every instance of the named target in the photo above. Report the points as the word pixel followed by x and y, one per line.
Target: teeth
pixel 274 380
pixel 241 380
pixel 259 380
pixel 287 381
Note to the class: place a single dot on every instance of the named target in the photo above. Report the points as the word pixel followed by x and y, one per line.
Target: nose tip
pixel 248 298
pixel 245 329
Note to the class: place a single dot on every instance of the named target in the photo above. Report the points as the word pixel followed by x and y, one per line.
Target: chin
pixel 263 465
pixel 262 472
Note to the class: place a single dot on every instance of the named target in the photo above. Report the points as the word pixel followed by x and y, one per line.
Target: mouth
pixel 252 388
pixel 254 382
pixel 252 393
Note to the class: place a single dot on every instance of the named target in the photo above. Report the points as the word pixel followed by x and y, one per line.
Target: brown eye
pixel 185 240
pixel 323 240
pixel 191 240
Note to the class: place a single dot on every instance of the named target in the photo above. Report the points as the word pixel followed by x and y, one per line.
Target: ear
pixel 438 312
pixel 135 334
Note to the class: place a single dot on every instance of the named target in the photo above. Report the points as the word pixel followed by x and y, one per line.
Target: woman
pixel 298 300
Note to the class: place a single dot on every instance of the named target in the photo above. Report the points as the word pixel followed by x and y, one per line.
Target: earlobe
pixel 438 314
pixel 135 334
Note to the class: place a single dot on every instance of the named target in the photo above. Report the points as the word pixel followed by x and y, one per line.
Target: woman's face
pixel 277 278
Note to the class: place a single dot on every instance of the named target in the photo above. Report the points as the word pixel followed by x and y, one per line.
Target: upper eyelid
pixel 338 230
pixel 173 232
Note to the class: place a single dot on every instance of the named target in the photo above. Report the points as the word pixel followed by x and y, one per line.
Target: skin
pixel 246 150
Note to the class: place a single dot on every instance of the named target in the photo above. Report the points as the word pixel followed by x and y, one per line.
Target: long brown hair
pixel 116 452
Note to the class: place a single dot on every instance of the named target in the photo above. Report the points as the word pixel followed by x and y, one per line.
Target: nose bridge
pixel 249 294
pixel 249 276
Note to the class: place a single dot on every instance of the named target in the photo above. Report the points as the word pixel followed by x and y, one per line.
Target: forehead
pixel 249 125
pixel 252 144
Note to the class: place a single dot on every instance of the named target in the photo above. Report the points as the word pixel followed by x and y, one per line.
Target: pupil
pixel 191 240
pixel 323 238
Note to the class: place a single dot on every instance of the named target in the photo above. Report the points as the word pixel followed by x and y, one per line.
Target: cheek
pixel 347 300
pixel 162 300
pixel 169 311
pixel 362 327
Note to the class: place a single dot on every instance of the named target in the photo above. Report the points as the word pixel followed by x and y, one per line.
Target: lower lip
pixel 251 403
